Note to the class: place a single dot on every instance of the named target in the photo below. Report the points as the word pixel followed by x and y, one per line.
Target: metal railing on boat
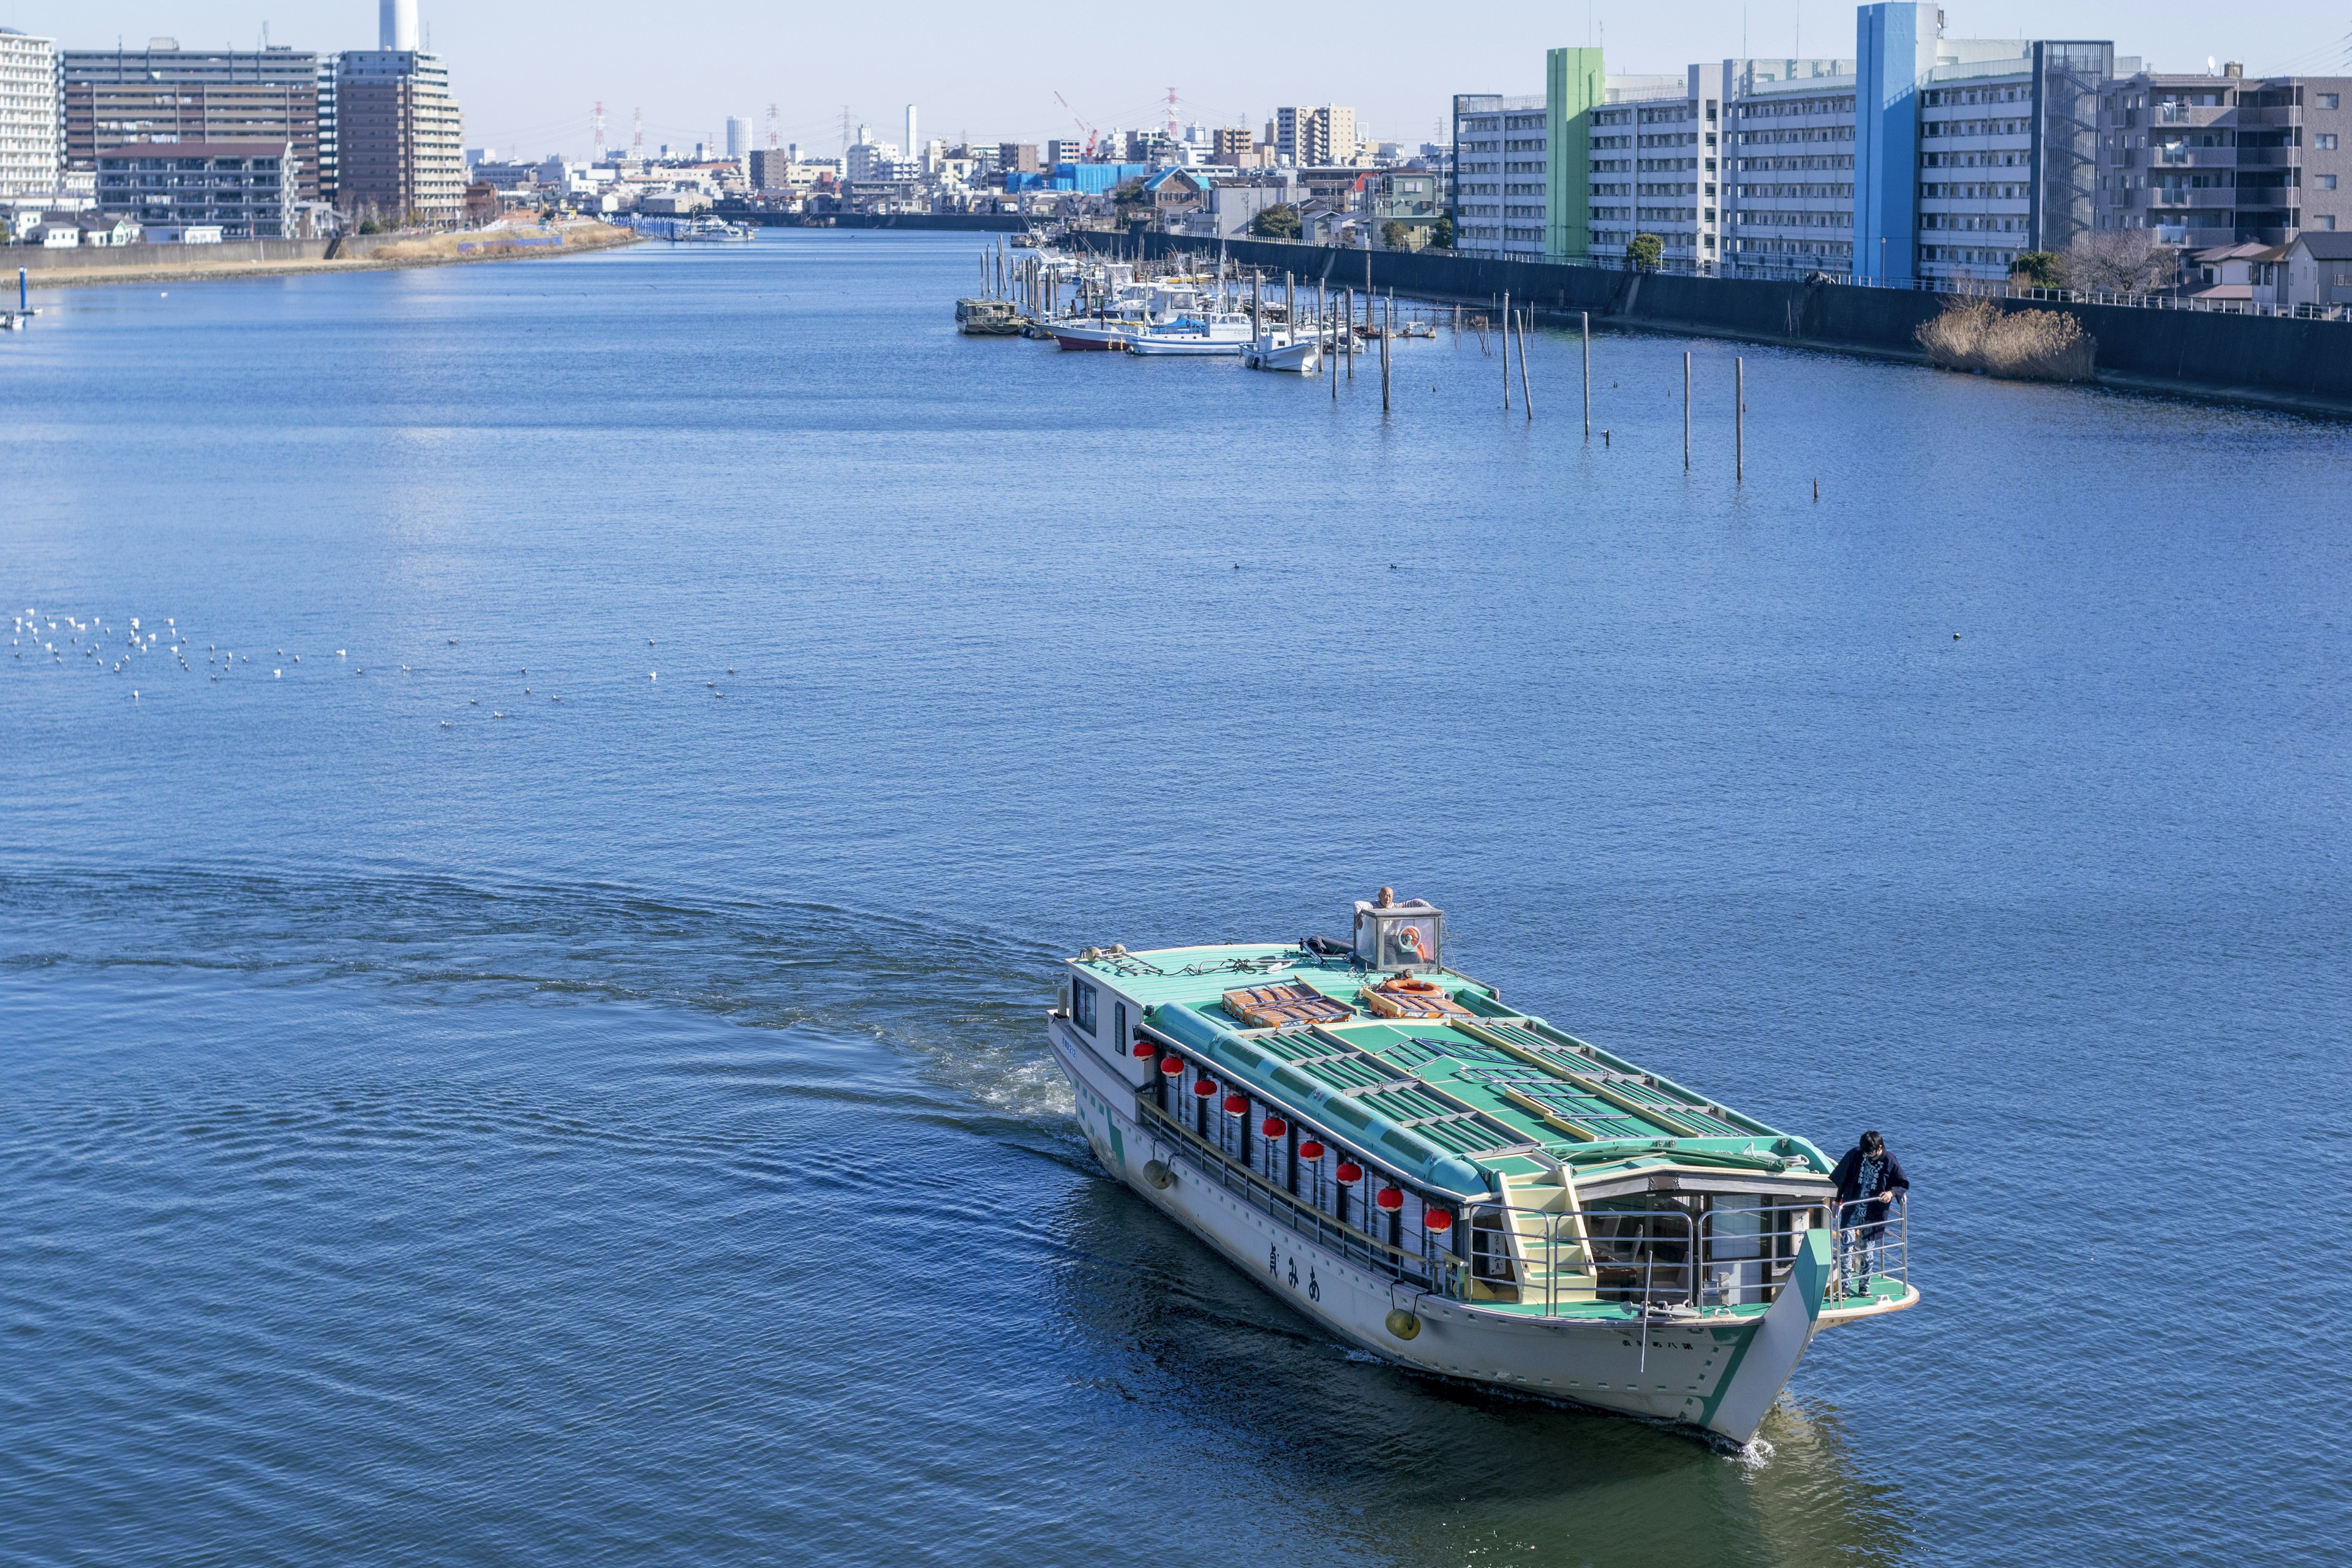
pixel 1536 1262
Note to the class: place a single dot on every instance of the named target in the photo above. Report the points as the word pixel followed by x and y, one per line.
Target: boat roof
pixel 1461 1098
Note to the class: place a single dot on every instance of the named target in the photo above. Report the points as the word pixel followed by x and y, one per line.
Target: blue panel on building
pixel 1894 51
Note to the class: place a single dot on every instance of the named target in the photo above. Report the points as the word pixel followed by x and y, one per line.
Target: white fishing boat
pixel 1283 344
pixel 1123 313
pixel 1459 1187
pixel 1276 349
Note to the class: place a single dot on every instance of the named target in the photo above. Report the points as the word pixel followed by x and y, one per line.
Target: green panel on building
pixel 1573 87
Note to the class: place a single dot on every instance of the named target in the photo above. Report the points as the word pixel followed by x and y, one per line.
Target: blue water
pixel 620 1131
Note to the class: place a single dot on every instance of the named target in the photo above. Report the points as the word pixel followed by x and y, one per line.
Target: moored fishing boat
pixel 1459 1187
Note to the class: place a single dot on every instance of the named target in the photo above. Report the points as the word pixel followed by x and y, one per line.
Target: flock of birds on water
pixel 126 650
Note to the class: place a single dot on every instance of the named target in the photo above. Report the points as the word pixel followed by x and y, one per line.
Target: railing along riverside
pixel 1990 287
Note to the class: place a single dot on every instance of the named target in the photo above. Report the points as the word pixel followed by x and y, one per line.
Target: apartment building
pixel 1325 135
pixel 399 137
pixel 1789 135
pixel 162 95
pixel 1234 146
pixel 1655 167
pixel 249 190
pixel 2208 161
pixel 1500 158
pixel 29 114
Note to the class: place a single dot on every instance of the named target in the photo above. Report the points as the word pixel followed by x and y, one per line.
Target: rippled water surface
pixel 465 1100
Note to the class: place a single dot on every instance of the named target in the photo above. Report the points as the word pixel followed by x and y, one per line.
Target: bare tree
pixel 2119 261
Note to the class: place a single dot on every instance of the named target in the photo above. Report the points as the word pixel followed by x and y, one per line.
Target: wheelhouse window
pixel 1082 1006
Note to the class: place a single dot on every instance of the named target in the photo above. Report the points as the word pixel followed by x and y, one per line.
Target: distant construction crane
pixel 1082 124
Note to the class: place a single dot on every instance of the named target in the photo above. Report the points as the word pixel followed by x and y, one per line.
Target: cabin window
pixel 1119 1016
pixel 1082 1006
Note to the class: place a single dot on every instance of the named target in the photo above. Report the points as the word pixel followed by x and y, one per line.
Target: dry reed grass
pixel 2021 345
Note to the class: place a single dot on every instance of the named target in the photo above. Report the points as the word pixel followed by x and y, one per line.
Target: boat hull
pixel 1300 358
pixel 1182 348
pixel 1097 340
pixel 1719 1374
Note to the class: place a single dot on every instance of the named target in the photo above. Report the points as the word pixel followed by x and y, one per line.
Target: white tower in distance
pixel 396 25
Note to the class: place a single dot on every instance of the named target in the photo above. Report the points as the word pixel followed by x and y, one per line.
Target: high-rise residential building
pixel 398 137
pixel 1235 146
pixel 1655 168
pixel 1499 169
pixel 1017 157
pixel 1918 157
pixel 739 135
pixel 1788 149
pixel 1312 136
pixel 29 114
pixel 162 95
pixel 2209 161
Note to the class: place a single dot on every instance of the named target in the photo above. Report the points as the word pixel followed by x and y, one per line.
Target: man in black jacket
pixel 1870 1183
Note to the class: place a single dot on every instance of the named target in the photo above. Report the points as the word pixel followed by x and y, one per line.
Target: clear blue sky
pixel 528 72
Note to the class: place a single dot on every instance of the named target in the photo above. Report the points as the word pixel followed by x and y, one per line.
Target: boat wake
pixel 961 1001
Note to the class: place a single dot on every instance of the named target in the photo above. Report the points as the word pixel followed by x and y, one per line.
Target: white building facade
pixel 29 142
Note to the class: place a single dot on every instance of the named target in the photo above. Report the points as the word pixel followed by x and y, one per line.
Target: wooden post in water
pixel 1347 337
pixel 1739 421
pixel 1588 372
pixel 1506 353
pixel 1527 389
pixel 1686 411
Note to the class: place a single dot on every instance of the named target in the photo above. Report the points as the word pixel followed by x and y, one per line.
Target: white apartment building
pixel 1655 167
pixel 1791 128
pixel 1500 153
pixel 29 140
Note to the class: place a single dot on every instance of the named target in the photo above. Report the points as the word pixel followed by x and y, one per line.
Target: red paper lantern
pixel 1237 1105
pixel 1204 1086
pixel 1310 1150
pixel 1349 1173
pixel 1391 1199
pixel 1437 1220
pixel 1145 1048
pixel 1173 1065
pixel 1273 1127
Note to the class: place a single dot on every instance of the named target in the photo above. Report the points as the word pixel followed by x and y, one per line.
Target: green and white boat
pixel 1460 1188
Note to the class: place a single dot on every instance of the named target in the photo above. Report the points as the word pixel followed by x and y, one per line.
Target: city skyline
pixel 531 89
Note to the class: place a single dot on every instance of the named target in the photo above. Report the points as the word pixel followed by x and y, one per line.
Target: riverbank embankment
pixel 2305 366
pixel 284 257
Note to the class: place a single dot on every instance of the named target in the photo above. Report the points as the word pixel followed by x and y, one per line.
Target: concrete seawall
pixel 2298 365
pixel 49 269
pixel 44 263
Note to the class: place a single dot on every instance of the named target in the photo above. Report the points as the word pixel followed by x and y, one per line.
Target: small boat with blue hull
pixel 1459 1187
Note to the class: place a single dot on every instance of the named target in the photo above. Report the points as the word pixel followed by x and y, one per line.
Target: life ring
pixel 1406 982
pixel 1410 939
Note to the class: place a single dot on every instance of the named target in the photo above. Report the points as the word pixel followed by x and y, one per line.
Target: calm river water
pixel 462 1101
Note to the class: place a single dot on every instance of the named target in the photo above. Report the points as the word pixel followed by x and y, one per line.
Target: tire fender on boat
pixel 1157 1174
pixel 1401 1323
